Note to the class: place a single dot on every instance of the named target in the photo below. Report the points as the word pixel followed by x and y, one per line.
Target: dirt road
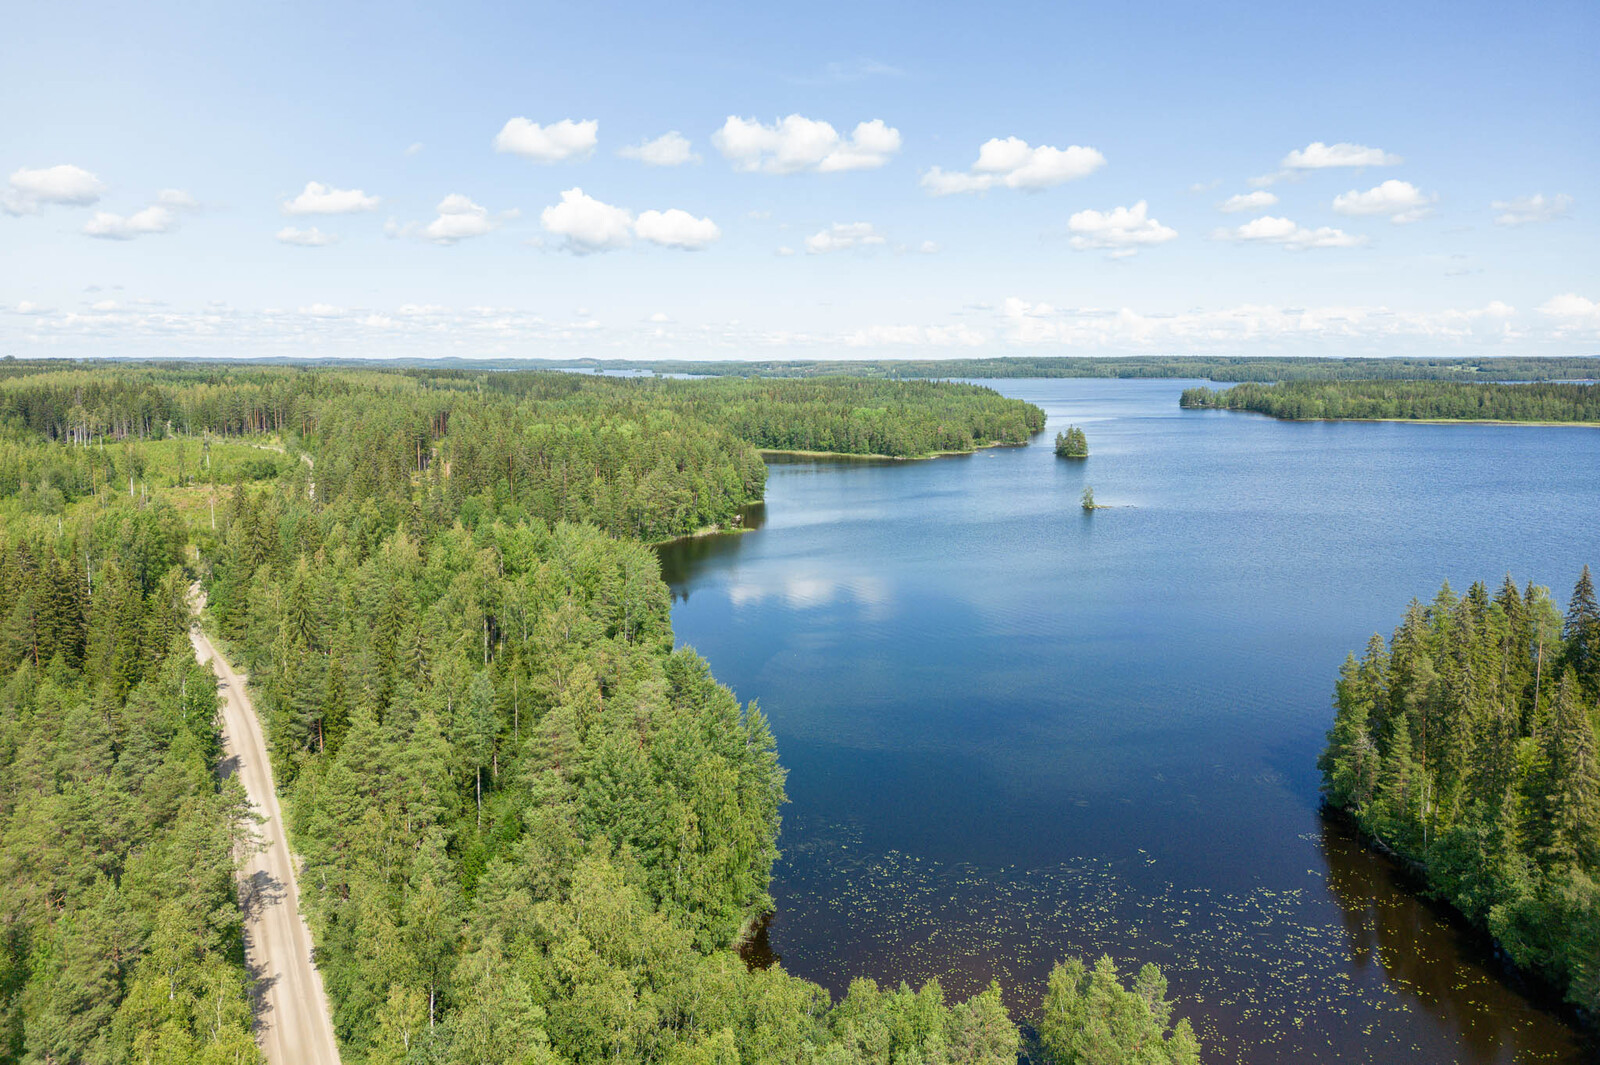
pixel 292 1023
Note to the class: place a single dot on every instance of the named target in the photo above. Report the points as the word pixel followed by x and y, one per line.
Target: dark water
pixel 1016 731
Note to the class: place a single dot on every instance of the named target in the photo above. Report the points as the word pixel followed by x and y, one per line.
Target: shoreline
pixel 1407 421
pixel 1541 992
pixel 876 456
pixel 705 530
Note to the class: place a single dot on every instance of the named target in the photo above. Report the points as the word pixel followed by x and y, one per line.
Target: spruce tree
pixel 1572 801
pixel 1582 634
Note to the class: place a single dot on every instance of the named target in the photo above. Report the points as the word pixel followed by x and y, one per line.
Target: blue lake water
pixel 1016 730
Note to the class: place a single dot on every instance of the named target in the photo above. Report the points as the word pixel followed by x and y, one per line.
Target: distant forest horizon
pixel 1508 368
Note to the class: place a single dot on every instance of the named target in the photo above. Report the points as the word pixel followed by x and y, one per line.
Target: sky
pixel 823 180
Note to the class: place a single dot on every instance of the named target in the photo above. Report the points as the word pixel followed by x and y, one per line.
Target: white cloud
pixel 1527 209
pixel 1248 201
pixel 1319 156
pixel 1270 230
pixel 785 251
pixel 459 218
pixel 798 143
pixel 586 224
pixel 1124 229
pixel 413 148
pixel 64 185
pixel 669 149
pixel 660 316
pixel 929 247
pixel 317 198
pixel 306 238
pixel 1572 310
pixel 153 219
pixel 940 336
pixel 554 143
pixel 177 198
pixel 216 328
pixel 1014 164
pixel 1263 327
pixel 842 236
pixel 1400 200
pixel 159 217
pixel 676 229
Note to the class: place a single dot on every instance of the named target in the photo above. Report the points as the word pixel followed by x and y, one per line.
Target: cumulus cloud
pixel 1248 201
pixel 843 236
pixel 459 218
pixel 305 238
pixel 1124 230
pixel 1402 201
pixel 1014 164
pixel 798 143
pixel 317 198
pixel 1528 209
pixel 159 217
pixel 587 225
pixel 676 229
pixel 555 143
pixel 1320 156
pixel 669 149
pixel 29 190
pixel 1572 310
pixel 1281 231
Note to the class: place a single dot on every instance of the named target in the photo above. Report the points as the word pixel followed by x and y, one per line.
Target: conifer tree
pixel 1573 798
pixel 1582 634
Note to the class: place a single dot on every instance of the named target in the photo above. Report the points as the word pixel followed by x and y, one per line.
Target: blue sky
pixel 859 180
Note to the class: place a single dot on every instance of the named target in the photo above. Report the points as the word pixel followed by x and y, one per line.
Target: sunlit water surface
pixel 1017 731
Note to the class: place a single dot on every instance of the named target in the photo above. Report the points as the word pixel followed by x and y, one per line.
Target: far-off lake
pixel 1017 731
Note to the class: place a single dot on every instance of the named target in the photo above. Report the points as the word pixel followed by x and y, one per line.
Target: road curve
pixel 292 1021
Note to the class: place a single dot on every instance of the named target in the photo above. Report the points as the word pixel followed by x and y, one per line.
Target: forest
pixel 533 831
pixel 1466 745
pixel 1408 400
pixel 1210 367
pixel 1226 368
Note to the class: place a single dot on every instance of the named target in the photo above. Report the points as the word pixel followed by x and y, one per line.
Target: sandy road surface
pixel 292 1023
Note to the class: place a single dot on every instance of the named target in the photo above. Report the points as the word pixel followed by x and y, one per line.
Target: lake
pixel 1016 731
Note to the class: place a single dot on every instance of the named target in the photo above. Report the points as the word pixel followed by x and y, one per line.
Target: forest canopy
pixel 1467 744
pixel 533 831
pixel 1409 400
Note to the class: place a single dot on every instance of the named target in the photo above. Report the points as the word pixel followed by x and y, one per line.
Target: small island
pixel 1072 444
pixel 1088 500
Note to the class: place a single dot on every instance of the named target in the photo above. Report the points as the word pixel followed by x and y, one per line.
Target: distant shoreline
pixel 1404 421
pixel 881 457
